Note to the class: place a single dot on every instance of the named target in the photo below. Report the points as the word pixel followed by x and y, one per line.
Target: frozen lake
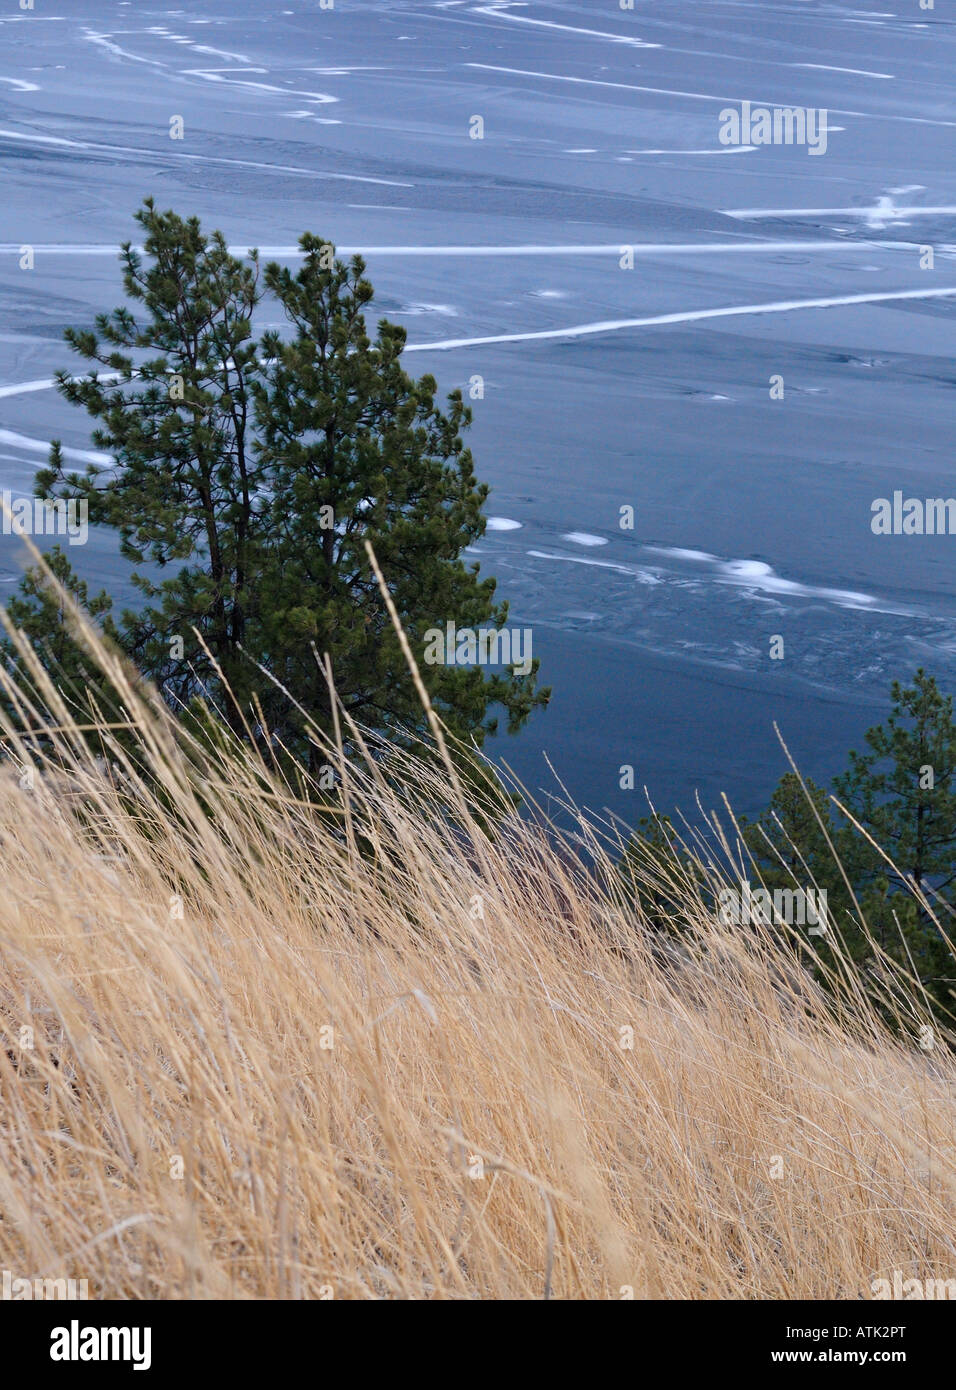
pixel 644 386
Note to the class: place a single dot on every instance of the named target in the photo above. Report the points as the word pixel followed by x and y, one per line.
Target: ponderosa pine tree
pixel 902 790
pixel 39 612
pixel 175 412
pixel 796 844
pixel 253 473
pixel 351 440
pixel 41 615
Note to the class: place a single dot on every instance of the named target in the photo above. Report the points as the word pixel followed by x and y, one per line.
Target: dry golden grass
pixel 389 1056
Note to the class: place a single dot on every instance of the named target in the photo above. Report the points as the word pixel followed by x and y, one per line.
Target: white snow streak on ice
pixel 105 41
pixel 884 209
pixel 583 538
pixel 729 149
pixel 643 576
pixel 857 72
pixel 701 96
pixel 648 248
pixel 38 446
pixel 758 575
pixel 582 330
pixel 163 155
pixel 611 325
pixel 215 75
pixel 499 10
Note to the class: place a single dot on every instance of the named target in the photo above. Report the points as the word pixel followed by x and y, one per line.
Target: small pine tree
pixel 660 875
pixel 174 411
pixel 357 450
pixel 796 844
pixel 902 790
pixel 40 613
pixel 42 616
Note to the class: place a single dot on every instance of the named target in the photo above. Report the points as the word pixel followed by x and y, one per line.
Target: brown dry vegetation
pixel 388 1051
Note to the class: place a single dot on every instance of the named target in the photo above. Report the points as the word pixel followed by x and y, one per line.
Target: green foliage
pixel 45 620
pixel 901 794
pixel 174 410
pixel 41 615
pixel 902 790
pixel 348 435
pixel 795 843
pixel 659 873
pixel 253 472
